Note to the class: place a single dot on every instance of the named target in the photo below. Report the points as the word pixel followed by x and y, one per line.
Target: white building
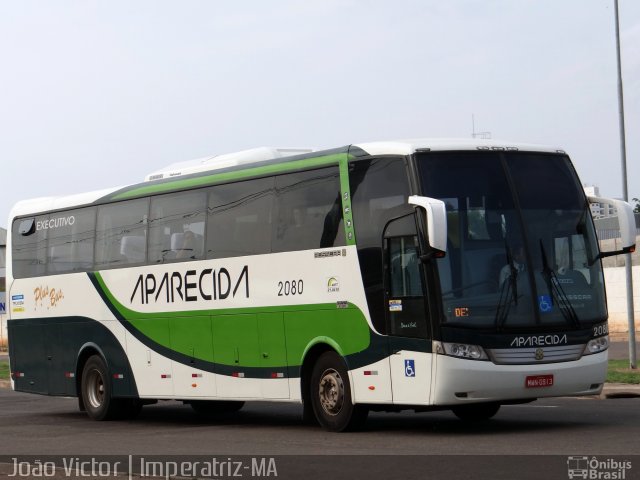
pixel 598 210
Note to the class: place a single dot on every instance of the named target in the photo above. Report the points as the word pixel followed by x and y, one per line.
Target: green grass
pixel 619 372
pixel 4 370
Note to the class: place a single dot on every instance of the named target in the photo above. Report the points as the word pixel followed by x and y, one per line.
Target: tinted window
pixel 510 268
pixel 176 226
pixel 405 301
pixel 71 236
pixel 240 218
pixel 53 243
pixel 562 191
pixel 404 267
pixel 121 233
pixel 379 191
pixel 309 210
pixel 29 247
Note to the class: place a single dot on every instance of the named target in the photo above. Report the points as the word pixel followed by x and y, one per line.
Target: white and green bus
pixel 420 275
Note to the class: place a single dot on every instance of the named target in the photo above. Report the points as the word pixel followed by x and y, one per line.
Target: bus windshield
pixel 521 246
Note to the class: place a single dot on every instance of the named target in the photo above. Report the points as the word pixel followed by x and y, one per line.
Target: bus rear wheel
pixel 331 395
pixel 96 391
pixel 476 412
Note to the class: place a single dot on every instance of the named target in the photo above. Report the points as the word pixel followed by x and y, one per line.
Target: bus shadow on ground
pixel 447 423
pixel 265 415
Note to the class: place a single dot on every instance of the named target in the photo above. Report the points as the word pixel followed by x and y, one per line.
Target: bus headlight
pixel 463 350
pixel 597 345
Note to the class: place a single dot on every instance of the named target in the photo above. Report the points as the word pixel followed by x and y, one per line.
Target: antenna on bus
pixel 474 134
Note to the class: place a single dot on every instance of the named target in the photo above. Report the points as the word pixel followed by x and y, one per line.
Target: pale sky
pixel 95 94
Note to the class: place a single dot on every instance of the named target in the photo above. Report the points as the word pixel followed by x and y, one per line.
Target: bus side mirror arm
pixel 627 222
pixel 436 214
pixel 431 254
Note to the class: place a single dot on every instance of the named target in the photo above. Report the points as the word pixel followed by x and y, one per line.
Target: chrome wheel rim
pixel 331 392
pixel 95 388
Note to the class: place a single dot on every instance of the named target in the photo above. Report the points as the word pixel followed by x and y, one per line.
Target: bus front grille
pixel 528 356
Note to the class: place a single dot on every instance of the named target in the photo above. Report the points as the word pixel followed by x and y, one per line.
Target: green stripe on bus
pixel 251 337
pixel 211 179
pixel 347 211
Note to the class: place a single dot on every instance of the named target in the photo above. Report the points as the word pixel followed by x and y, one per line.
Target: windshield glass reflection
pixel 521 244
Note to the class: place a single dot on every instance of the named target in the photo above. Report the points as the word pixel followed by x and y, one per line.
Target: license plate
pixel 539 381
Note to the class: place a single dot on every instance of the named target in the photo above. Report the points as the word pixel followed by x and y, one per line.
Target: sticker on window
pixel 544 303
pixel 395 305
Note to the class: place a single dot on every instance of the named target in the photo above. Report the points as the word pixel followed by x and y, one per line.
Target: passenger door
pixel 406 313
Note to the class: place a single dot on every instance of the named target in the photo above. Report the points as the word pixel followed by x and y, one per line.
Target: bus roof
pixel 397 147
pixel 257 157
pixel 407 147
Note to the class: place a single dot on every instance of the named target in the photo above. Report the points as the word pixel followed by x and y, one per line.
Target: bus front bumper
pixel 459 381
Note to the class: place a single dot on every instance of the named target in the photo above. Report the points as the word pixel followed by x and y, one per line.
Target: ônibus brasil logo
pixel 596 469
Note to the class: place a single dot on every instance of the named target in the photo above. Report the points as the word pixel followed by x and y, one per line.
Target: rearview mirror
pixel 436 221
pixel 627 223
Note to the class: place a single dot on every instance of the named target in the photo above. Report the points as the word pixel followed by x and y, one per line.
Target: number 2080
pixel 600 330
pixel 293 287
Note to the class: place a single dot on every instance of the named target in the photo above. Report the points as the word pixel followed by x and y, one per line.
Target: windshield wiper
pixel 556 292
pixel 509 288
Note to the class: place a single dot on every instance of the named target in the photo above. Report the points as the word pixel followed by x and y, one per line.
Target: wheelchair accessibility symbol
pixel 409 368
pixel 544 303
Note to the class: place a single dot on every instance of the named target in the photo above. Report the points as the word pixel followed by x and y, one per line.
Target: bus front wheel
pixel 331 395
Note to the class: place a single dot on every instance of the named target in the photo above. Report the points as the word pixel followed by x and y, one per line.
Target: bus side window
pixel 29 247
pixel 176 226
pixel 121 233
pixel 132 248
pixel 54 243
pixel 239 218
pixel 309 210
pixel 379 191
pixel 71 236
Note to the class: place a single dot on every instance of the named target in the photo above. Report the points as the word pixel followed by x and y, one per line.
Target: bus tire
pixel 215 407
pixel 476 412
pixel 308 415
pixel 96 390
pixel 331 395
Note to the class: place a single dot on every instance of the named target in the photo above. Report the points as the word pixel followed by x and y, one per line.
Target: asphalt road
pixel 524 441
pixel 47 425
pixel 517 437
